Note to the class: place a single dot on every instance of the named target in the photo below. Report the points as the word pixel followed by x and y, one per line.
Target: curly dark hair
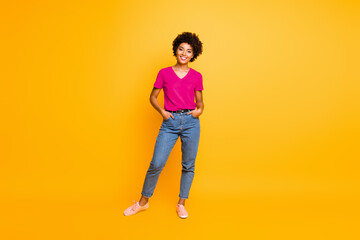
pixel 190 38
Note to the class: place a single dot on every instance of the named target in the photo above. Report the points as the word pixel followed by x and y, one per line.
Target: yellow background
pixel 280 134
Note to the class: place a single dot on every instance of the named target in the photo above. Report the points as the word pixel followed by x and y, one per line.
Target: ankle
pixel 181 201
pixel 143 201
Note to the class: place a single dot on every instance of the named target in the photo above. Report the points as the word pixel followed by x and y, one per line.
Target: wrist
pixel 163 112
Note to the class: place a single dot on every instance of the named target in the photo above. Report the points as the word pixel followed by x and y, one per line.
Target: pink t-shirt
pixel 179 93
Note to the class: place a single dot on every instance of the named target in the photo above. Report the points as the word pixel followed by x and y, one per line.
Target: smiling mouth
pixel 182 58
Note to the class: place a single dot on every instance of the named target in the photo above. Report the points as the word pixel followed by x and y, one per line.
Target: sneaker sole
pixel 182 217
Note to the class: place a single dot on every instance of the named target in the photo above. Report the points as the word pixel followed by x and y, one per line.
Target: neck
pixel 181 67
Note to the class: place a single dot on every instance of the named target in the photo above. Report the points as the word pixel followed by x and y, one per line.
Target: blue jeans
pixel 188 128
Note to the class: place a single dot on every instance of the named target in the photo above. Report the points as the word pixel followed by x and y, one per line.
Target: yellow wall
pixel 280 133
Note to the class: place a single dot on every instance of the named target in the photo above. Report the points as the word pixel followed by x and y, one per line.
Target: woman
pixel 181 85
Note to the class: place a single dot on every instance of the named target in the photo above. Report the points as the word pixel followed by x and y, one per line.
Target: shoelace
pixel 133 207
pixel 181 209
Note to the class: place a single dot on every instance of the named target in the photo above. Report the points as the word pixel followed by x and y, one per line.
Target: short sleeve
pixel 159 80
pixel 199 83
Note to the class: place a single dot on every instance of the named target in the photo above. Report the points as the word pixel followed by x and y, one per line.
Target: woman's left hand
pixel 196 113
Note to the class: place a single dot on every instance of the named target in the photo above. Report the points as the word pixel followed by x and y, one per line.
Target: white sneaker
pixel 181 211
pixel 135 208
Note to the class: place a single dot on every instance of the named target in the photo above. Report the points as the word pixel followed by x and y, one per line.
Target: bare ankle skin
pixel 181 201
pixel 143 200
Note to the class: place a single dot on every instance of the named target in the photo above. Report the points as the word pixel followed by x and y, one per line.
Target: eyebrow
pixel 186 49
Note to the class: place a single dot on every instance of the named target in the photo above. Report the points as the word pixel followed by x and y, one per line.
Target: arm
pixel 199 104
pixel 153 100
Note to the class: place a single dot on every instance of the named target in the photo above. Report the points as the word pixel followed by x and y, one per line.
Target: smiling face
pixel 184 53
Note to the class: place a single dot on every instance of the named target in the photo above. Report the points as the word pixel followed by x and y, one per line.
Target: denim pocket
pixel 165 120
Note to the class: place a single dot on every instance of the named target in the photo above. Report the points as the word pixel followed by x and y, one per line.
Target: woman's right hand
pixel 166 115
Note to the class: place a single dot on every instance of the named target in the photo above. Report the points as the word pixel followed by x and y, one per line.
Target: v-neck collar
pixel 172 69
